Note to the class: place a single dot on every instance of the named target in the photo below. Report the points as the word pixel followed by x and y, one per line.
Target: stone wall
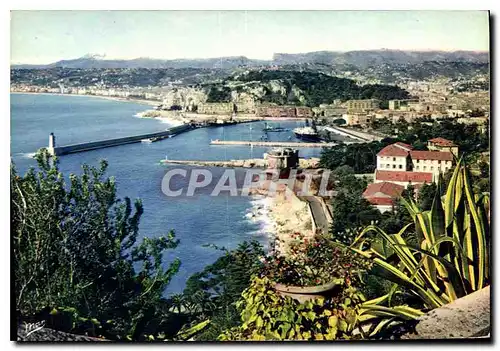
pixel 467 317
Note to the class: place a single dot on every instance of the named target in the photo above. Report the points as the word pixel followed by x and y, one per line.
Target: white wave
pixel 259 213
pixel 172 122
pixel 27 154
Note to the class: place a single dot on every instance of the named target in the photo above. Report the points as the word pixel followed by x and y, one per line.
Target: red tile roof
pixel 406 146
pixel 431 155
pixel 392 150
pixel 395 176
pixel 389 189
pixel 442 142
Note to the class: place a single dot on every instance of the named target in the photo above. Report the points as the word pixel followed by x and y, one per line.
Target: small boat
pixel 268 128
pixel 150 140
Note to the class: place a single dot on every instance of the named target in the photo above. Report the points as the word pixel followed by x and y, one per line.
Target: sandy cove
pixel 287 213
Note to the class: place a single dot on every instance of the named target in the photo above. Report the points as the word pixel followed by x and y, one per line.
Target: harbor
pixel 170 132
pixel 290 144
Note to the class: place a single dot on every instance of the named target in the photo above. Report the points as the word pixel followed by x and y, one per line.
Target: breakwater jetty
pixel 93 145
pixel 272 143
pixel 357 135
pixel 304 163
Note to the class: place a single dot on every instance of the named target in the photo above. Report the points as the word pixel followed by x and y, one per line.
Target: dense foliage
pixel 213 292
pixel 320 88
pixel 219 93
pixel 351 209
pixel 75 249
pixel 361 157
pixel 266 315
pixel 469 138
pixel 313 261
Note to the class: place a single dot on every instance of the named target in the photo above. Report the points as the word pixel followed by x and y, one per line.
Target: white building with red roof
pixel 431 161
pixel 401 158
pixel 443 145
pixel 399 165
pixel 382 195
pixel 395 157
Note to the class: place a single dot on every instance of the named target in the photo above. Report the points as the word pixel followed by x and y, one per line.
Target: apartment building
pixel 395 157
pixel 362 105
pixel 399 165
pixel 435 162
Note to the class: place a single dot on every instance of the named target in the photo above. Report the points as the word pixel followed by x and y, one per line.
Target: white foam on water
pixel 27 154
pixel 172 122
pixel 259 213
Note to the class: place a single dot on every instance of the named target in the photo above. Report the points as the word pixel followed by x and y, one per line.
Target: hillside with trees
pixel 305 88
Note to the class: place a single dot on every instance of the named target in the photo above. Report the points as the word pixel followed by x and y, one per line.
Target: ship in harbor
pixel 307 133
pixel 270 128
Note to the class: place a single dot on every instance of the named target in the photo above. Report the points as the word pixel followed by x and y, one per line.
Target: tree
pixel 426 196
pixel 350 209
pixel 216 289
pixel 75 249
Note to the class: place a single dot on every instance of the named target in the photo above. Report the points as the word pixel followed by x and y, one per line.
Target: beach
pixel 281 216
pixel 112 98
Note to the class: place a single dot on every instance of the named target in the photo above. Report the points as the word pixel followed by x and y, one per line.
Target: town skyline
pixel 254 34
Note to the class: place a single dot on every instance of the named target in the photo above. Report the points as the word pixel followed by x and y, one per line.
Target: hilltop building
pixel 399 165
pixel 442 144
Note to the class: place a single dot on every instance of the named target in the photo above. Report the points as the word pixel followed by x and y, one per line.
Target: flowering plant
pixel 312 262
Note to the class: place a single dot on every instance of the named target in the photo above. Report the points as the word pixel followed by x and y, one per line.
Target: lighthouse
pixel 52 144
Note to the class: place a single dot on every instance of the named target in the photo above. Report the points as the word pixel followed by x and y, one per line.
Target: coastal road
pixel 319 216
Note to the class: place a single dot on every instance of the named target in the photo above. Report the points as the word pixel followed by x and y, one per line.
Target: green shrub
pixel 75 248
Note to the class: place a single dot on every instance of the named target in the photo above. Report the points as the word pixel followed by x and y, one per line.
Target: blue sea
pixel 198 220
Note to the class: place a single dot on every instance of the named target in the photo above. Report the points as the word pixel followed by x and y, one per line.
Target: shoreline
pixel 163 119
pixel 110 98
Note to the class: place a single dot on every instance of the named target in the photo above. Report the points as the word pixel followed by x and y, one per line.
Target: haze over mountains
pixel 359 58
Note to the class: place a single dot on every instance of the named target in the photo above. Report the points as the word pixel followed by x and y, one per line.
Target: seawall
pixel 69 149
pixel 272 143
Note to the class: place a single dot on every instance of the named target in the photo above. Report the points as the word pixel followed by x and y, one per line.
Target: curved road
pixel 319 216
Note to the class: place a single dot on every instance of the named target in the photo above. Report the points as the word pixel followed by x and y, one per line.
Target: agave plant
pixel 452 258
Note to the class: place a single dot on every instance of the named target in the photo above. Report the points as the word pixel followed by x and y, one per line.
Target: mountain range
pixel 360 58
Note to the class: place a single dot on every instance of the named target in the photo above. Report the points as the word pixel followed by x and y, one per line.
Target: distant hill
pixel 361 59
pixel 365 58
pixel 87 62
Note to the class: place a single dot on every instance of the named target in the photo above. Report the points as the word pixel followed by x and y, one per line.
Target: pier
pixel 272 143
pixel 357 135
pixel 70 149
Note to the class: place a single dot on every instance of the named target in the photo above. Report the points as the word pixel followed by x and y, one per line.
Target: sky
pixel 40 37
